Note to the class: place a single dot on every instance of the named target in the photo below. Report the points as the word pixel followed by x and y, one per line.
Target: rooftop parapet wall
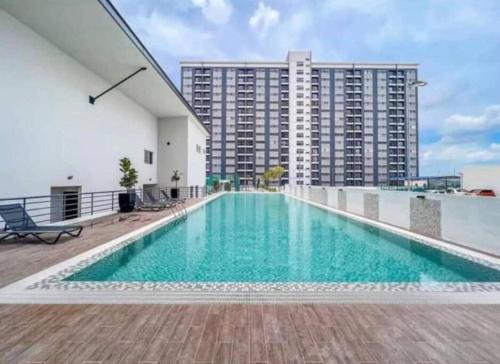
pixel 468 221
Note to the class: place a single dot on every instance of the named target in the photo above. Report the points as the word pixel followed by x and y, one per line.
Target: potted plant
pixel 126 200
pixel 176 177
pixel 216 185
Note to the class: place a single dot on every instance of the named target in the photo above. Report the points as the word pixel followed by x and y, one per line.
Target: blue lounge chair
pixel 144 205
pixel 153 200
pixel 170 199
pixel 18 223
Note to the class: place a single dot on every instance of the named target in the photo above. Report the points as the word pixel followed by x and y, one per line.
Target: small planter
pixel 126 201
pixel 174 193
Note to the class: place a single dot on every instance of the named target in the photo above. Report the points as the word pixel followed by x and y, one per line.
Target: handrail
pixel 59 207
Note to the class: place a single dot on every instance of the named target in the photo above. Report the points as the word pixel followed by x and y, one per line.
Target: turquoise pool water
pixel 274 238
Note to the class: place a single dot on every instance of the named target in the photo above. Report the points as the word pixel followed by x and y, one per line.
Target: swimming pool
pixel 270 238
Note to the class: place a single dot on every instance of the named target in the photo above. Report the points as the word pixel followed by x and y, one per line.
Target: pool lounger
pixel 18 223
pixel 170 199
pixel 154 201
pixel 141 205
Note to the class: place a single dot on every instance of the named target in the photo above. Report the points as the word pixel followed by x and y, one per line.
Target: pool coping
pixel 48 285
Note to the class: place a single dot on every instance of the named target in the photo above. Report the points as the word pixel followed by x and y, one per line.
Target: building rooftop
pixel 278 64
pixel 96 35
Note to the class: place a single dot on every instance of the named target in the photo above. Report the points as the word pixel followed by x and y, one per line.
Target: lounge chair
pixel 18 223
pixel 143 205
pixel 153 200
pixel 170 199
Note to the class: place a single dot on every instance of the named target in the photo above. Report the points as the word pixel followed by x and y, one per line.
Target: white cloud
pixel 215 11
pixel 471 152
pixel 360 6
pixel 465 139
pixel 489 119
pixel 263 18
pixel 174 37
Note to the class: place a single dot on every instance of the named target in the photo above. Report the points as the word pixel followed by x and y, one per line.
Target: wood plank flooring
pixel 249 334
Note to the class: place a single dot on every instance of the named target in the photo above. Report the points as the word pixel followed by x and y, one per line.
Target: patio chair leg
pixel 49 242
pixel 10 234
pixel 74 235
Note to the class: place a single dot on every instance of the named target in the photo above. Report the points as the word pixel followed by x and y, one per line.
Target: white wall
pixel 196 154
pixel 172 149
pixel 183 134
pixel 355 202
pixel 486 177
pixel 332 198
pixel 394 208
pixel 292 59
pixel 49 129
pixel 470 221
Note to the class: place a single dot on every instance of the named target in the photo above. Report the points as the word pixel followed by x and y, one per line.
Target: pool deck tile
pixel 259 334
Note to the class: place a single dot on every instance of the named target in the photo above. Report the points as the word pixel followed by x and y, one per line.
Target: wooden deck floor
pixel 249 334
pixel 23 257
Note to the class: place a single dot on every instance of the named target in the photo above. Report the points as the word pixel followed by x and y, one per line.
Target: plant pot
pixel 126 201
pixel 174 193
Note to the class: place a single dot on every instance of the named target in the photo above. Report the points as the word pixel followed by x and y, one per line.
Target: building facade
pixel 338 124
pixel 55 140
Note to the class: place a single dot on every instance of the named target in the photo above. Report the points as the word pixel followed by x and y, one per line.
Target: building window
pixel 198 148
pixel 148 157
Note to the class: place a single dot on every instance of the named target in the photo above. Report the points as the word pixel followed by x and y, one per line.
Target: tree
pixel 267 176
pixel 278 172
pixel 273 174
pixel 130 176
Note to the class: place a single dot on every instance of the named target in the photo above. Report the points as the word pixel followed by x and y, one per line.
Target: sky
pixel 455 42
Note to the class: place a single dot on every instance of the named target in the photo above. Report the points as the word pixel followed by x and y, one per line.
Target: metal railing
pixel 69 205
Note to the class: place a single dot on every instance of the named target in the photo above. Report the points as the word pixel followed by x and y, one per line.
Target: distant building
pixel 339 124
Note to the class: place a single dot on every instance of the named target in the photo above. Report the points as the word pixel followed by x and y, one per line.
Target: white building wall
pixel 299 92
pixel 196 154
pixel 172 150
pixel 50 131
pixel 181 144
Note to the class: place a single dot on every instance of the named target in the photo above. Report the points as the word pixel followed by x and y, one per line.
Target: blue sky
pixel 456 43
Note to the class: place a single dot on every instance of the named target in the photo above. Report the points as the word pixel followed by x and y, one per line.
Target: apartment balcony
pixel 202 73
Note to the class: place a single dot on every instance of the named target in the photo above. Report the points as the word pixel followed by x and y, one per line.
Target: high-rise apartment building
pixel 340 124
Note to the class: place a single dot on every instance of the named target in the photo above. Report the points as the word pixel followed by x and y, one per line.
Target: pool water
pixel 274 238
